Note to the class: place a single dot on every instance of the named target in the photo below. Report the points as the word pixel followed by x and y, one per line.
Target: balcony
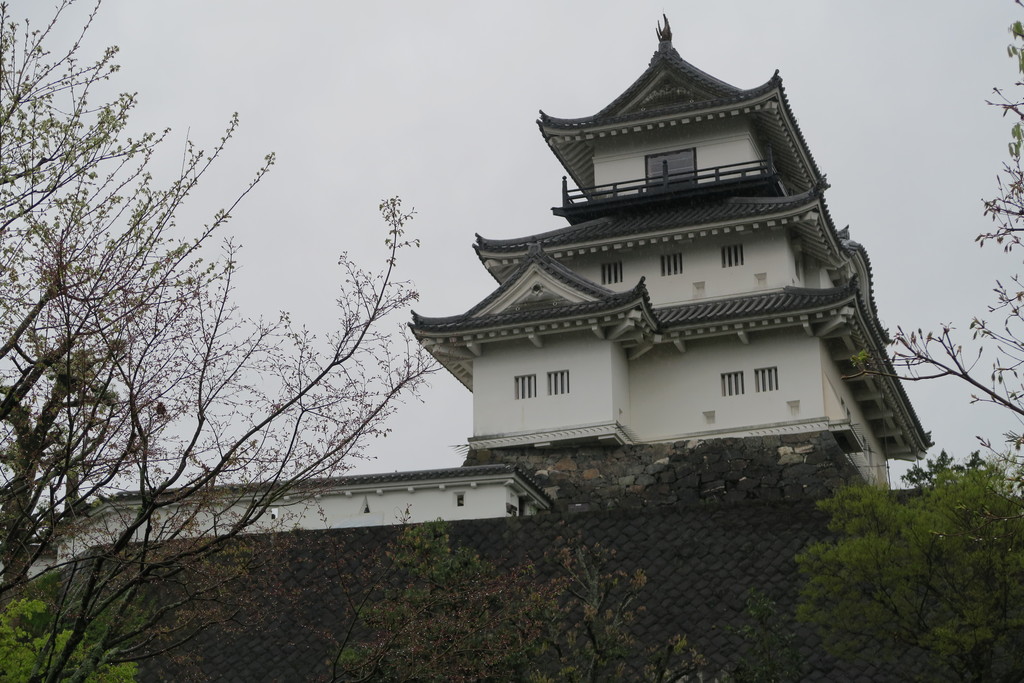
pixel 748 178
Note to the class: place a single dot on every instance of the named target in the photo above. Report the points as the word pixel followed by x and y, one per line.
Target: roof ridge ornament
pixel 664 34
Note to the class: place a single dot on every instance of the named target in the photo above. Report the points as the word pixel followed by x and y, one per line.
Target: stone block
pixel 566 464
pixel 787 456
pixel 738 464
pixel 656 467
pixel 747 483
pixel 627 480
pixel 792 491
pixel 645 480
pixel 712 486
pixel 591 474
pixel 688 496
pixel 734 496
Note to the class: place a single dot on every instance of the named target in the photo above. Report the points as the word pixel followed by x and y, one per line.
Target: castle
pixel 700 289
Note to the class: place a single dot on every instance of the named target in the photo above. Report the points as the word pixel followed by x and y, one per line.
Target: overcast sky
pixel 437 102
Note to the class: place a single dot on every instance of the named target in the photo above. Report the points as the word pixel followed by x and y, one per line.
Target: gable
pixel 665 87
pixel 534 289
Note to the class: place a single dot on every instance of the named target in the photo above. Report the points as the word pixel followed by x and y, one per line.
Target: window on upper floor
pixel 611 272
pixel 732 383
pixel 732 255
pixel 671 264
pixel 558 382
pixel 682 162
pixel 525 386
pixel 766 379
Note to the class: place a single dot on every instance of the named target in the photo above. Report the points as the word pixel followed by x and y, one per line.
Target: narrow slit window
pixel 671 264
pixel 732 255
pixel 460 500
pixel 365 507
pixel 558 382
pixel 611 272
pixel 732 383
pixel 525 386
pixel 766 379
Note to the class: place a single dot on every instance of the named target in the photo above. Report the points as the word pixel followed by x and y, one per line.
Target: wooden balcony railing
pixel 756 177
pixel 691 181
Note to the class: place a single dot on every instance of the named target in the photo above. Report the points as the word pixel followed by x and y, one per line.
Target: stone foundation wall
pixel 792 466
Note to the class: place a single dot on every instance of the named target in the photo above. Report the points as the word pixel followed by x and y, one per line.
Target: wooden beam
pixel 536 339
pixel 878 414
pixel 640 350
pixel 743 337
pixel 680 345
pixel 620 329
pixel 831 326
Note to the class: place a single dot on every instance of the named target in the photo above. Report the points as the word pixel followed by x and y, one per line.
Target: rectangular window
pixel 732 255
pixel 526 386
pixel 682 162
pixel 766 379
pixel 611 272
pixel 558 382
pixel 732 383
pixel 460 500
pixel 671 264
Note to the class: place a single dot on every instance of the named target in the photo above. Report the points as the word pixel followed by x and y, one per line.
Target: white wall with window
pixel 673 393
pixel 620 157
pixel 768 263
pixel 579 380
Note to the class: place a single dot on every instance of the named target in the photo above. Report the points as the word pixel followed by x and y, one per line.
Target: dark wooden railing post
pixel 565 192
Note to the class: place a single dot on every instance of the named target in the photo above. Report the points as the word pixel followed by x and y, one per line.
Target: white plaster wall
pixel 622 157
pixel 838 391
pixel 419 505
pixel 670 392
pixel 329 510
pixel 591 400
pixel 765 251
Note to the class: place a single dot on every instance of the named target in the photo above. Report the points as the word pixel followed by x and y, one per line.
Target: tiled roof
pixel 733 208
pixel 734 308
pixel 700 562
pixel 466 321
pixel 603 118
pixel 707 93
pixel 602 299
pixel 666 56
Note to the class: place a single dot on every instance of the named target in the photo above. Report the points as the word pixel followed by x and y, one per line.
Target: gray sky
pixel 437 102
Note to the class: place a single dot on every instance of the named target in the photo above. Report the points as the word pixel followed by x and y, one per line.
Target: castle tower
pixel 699 290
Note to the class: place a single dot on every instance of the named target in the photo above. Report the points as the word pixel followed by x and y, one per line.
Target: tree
pixel 919 476
pixel 772 657
pixel 126 366
pixel 994 368
pixel 592 637
pixel 445 614
pixel 428 610
pixel 941 573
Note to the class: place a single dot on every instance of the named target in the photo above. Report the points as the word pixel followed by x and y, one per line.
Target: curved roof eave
pixel 735 209
pixel 635 298
pixel 887 375
pixel 787 300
